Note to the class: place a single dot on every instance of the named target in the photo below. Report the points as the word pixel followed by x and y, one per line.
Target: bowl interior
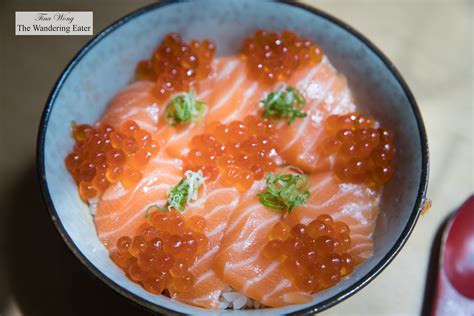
pixel 107 65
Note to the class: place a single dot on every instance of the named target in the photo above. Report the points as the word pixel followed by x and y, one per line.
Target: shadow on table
pixel 44 277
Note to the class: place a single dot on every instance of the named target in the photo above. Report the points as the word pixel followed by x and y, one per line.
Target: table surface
pixel 431 43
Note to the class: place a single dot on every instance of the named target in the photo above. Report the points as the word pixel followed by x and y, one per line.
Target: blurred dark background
pixel 429 41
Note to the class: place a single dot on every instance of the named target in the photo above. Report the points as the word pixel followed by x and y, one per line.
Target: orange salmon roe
pixel 176 66
pixel 103 155
pixel 159 256
pixel 363 152
pixel 240 152
pixel 313 257
pixel 273 57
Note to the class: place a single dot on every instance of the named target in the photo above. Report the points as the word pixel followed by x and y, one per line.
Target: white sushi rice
pixel 231 299
pixel 93 205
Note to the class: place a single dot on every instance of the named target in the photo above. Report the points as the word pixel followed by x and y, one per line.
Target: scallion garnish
pixel 155 207
pixel 284 103
pixel 285 191
pixel 184 108
pixel 184 192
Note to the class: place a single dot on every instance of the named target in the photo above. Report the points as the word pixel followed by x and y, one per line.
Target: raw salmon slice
pixel 354 204
pixel 121 211
pixel 326 92
pixel 215 204
pixel 234 95
pixel 174 140
pixel 137 102
pixel 239 261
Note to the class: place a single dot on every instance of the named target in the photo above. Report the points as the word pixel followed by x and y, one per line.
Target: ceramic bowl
pixel 106 64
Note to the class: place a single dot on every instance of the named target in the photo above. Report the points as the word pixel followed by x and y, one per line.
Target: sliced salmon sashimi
pixel 237 223
pixel 326 92
pixel 121 211
pixel 357 205
pixel 215 204
pixel 234 96
pixel 137 102
pixel 239 261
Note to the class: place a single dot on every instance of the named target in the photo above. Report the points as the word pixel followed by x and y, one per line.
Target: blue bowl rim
pixel 386 260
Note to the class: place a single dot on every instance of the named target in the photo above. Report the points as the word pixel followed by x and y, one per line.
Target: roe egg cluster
pixel 240 152
pixel 162 252
pixel 274 57
pixel 176 66
pixel 103 155
pixel 363 152
pixel 313 257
